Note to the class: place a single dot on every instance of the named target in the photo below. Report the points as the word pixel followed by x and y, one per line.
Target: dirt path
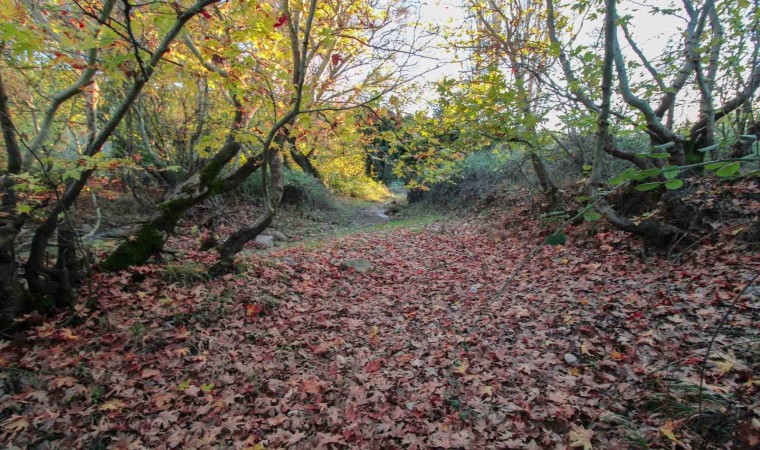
pixel 368 215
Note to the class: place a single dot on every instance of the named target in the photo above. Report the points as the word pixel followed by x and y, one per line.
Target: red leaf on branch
pixel 282 20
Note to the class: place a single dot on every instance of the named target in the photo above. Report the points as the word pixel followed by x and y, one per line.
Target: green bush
pixel 361 187
pixel 478 175
pixel 300 190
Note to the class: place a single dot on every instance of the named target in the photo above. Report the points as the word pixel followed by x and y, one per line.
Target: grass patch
pixel 186 273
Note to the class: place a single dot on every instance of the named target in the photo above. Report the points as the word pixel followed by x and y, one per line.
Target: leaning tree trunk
pixel 150 238
pixel 303 161
pixel 548 188
pixel 235 243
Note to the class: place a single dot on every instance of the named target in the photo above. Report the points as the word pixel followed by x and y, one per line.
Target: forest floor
pixel 595 344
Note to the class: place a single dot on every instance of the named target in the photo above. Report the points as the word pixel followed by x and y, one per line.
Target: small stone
pixel 570 359
pixel 360 264
pixel 277 235
pixel 264 241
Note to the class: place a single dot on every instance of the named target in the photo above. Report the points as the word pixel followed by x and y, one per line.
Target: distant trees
pixel 650 104
pixel 539 68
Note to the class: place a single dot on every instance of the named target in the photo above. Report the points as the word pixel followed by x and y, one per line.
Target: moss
pixel 187 273
pixel 37 302
pixel 148 241
pixel 210 171
pixel 173 209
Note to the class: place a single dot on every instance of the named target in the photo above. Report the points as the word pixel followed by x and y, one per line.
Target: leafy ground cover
pixel 596 344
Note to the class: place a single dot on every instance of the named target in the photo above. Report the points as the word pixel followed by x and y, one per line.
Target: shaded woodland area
pixel 347 224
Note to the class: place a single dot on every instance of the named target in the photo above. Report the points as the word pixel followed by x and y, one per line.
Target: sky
pixel 651 32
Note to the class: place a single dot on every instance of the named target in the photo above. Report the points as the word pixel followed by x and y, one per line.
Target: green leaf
pixel 587 167
pixel 591 216
pixel 660 155
pixel 670 172
pixel 73 173
pixel 728 170
pixel 648 186
pixel 649 173
pixel 713 166
pixel 207 387
pixel 674 183
pixel 558 238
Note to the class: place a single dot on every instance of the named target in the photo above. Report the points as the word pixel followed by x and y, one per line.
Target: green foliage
pixel 308 191
pixel 361 187
pixel 558 238
pixel 147 241
pixel 591 216
pixel 472 178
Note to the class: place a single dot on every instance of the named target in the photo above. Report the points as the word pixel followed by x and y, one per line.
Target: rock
pixel 264 241
pixel 360 264
pixel 277 235
pixel 571 359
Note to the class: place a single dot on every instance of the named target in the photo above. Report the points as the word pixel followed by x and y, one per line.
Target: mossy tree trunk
pixel 151 236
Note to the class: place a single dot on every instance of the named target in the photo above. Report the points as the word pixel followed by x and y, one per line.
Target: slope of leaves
pixel 585 349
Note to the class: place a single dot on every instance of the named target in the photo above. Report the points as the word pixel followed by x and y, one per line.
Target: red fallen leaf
pixel 252 312
pixel 404 358
pixel 336 59
pixel 205 14
pixel 311 386
pixel 282 20
pixel 275 421
pixel 617 356
pixel 373 366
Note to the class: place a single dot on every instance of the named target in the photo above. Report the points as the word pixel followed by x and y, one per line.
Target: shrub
pixel 300 190
pixel 359 187
pixel 477 176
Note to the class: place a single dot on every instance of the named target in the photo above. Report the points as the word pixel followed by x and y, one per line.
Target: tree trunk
pixel 303 161
pixel 11 303
pixel 235 243
pixel 742 146
pixel 67 265
pixel 547 186
pixel 150 237
pixel 10 288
